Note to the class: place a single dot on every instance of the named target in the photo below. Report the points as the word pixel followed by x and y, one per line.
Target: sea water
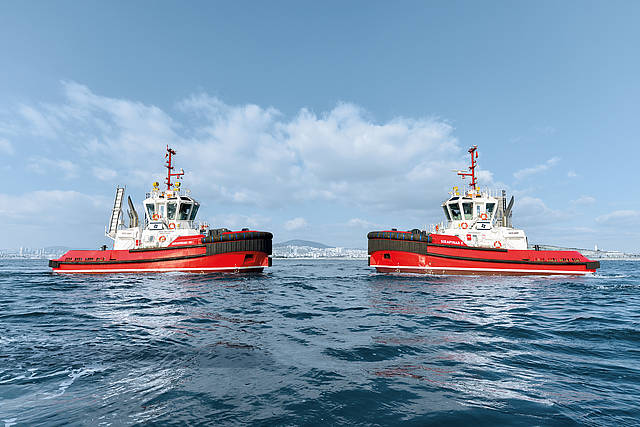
pixel 320 342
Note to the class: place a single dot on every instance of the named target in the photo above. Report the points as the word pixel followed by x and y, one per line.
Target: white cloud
pixel 104 174
pixel 533 211
pixel 51 207
pixel 247 157
pixel 247 154
pixel 620 218
pixel 584 200
pixel 295 224
pixel 360 223
pixel 572 174
pixel 42 166
pixel 6 147
pixel 47 218
pixel 39 123
pixel 523 173
pixel 545 130
pixel 238 221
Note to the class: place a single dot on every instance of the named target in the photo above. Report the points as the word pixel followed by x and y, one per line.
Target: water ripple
pixel 318 342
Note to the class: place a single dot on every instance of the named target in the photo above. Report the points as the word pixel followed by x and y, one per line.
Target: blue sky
pixel 321 120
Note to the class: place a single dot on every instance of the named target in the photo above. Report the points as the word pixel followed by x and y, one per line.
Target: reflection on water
pixel 316 342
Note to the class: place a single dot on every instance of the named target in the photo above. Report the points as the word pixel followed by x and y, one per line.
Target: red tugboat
pixel 477 238
pixel 170 239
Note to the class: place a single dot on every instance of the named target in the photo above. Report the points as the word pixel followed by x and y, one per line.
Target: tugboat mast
pixel 169 167
pixel 472 168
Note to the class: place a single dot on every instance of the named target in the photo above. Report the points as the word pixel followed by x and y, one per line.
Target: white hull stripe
pixel 510 270
pixel 156 270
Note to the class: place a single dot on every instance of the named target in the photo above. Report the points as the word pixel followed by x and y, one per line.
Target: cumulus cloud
pixel 523 173
pixel 572 174
pixel 533 211
pixel 360 223
pixel 244 157
pixel 6 147
pixel 236 221
pixel 620 218
pixel 584 200
pixel 42 165
pixel 40 123
pixel 295 224
pixel 51 207
pixel 104 174
pixel 45 218
pixel 248 154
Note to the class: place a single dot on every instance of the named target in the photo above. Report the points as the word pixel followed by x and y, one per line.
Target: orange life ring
pixel 172 226
pixel 155 217
pixel 162 239
pixel 483 216
pixel 464 225
pixel 497 244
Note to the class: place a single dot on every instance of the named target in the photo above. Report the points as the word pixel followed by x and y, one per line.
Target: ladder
pixel 115 214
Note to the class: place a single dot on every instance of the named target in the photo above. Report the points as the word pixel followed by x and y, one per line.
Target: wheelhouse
pixel 171 208
pixel 467 208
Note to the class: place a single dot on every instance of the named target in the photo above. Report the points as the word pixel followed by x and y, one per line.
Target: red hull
pixel 238 251
pixel 438 258
pixel 192 258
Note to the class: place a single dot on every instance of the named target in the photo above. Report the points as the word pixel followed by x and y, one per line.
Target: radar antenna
pixel 169 167
pixel 472 168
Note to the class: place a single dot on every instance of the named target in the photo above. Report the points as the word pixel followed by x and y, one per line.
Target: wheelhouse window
pixel 185 209
pixel 490 208
pixel 468 210
pixel 161 209
pixel 151 210
pixel 446 213
pixel 194 211
pixel 478 209
pixel 171 211
pixel 456 215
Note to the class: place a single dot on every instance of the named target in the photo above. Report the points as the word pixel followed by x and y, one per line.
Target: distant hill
pixel 301 243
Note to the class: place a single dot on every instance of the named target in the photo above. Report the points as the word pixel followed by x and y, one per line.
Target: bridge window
pixel 194 211
pixel 455 211
pixel 446 213
pixel 468 210
pixel 478 209
pixel 171 211
pixel 151 210
pixel 490 208
pixel 185 209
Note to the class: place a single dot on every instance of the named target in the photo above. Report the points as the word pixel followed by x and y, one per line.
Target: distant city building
pixel 293 251
pixel 595 253
pixel 33 253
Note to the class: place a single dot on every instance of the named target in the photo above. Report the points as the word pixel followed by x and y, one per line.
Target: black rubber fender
pixel 243 235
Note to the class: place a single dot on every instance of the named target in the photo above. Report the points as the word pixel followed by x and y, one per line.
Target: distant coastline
pixel 304 249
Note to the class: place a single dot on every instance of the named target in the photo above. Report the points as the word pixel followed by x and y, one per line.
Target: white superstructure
pixel 168 214
pixel 480 218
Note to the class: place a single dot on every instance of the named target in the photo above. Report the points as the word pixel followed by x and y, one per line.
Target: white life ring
pixel 464 225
